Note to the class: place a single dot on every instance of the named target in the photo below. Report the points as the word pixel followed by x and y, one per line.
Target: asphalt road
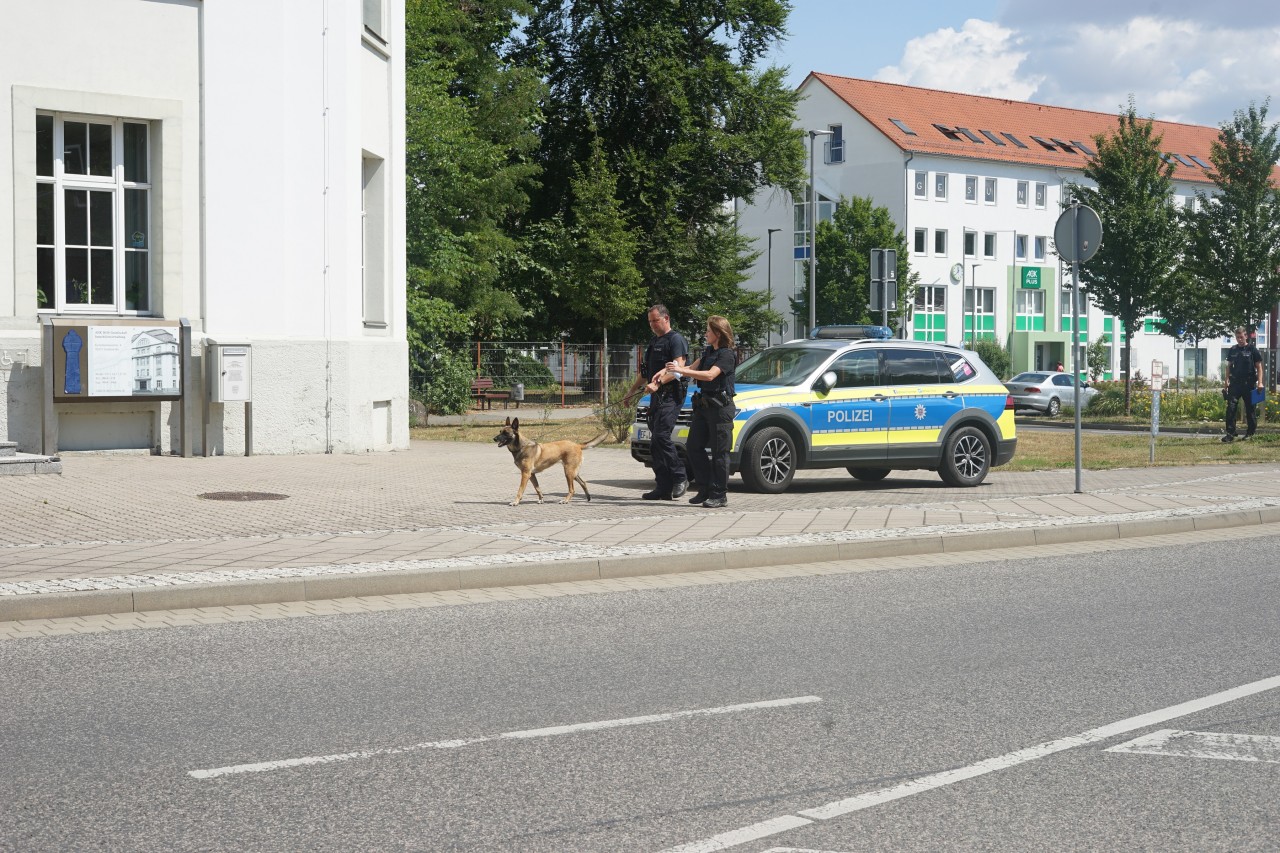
pixel 426 729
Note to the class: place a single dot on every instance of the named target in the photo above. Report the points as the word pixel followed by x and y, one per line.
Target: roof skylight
pixel 902 126
pixel 989 135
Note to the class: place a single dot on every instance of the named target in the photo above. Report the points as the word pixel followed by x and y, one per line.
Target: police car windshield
pixel 781 366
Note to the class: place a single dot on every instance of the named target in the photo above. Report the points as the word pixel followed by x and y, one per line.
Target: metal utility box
pixel 230 371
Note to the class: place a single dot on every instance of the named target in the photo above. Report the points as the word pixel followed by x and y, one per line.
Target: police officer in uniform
pixel 1244 373
pixel 666 396
pixel 713 413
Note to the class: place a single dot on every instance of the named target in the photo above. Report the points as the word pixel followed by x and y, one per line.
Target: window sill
pixel 376 43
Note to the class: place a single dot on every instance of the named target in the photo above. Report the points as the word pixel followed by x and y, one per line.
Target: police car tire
pixel 769 461
pixel 1055 407
pixel 966 457
pixel 869 475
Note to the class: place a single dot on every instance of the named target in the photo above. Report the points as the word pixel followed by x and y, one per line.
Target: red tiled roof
pixel 922 109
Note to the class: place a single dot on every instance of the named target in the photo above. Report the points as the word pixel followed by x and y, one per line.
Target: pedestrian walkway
pixel 124 533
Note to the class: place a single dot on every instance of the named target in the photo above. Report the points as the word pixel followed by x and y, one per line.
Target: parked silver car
pixel 1047 391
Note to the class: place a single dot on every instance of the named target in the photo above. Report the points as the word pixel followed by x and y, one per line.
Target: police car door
pixel 849 423
pixel 925 397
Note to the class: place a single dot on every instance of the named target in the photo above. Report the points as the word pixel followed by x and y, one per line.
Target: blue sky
pixel 1181 60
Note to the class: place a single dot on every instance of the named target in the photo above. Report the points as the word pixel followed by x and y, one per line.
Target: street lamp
pixel 769 274
pixel 813 232
pixel 973 310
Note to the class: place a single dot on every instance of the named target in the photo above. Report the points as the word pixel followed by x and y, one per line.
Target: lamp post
pixel 973 310
pixel 813 232
pixel 769 275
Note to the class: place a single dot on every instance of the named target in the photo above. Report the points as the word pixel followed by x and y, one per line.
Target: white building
pixel 236 163
pixel 975 185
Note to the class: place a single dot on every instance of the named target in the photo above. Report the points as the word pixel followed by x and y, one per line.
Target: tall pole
pixel 973 309
pixel 769 274
pixel 1075 326
pixel 813 232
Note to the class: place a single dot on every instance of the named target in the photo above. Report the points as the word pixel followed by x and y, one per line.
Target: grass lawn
pixel 1038 450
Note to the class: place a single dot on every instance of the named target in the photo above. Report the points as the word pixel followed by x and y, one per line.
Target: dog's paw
pixel 515 503
pixel 565 501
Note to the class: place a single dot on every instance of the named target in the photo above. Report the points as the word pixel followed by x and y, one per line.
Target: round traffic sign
pixel 1078 233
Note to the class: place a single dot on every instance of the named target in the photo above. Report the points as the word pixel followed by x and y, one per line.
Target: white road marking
pixel 1205 745
pixel 552 731
pixel 990 765
pixel 796 850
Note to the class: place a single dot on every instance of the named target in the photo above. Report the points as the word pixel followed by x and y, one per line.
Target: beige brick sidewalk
pixel 441 510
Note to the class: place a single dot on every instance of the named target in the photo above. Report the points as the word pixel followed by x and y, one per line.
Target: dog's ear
pixel 508 423
pixel 515 424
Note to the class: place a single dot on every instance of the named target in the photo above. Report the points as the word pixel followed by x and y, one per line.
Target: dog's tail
pixel 599 438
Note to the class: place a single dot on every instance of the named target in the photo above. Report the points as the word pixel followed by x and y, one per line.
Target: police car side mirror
pixel 825 382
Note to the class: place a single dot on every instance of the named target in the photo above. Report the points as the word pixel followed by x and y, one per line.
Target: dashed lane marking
pixel 1230 747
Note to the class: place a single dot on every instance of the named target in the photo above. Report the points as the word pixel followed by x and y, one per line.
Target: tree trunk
pixel 605 374
pixel 1128 374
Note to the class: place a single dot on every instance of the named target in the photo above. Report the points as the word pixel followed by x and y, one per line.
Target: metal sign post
pixel 1157 383
pixel 884 282
pixel 1076 237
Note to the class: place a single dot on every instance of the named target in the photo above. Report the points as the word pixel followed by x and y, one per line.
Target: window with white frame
pixel 834 146
pixel 1020 246
pixel 373 243
pixel 984 317
pixel 989 245
pixel 1030 304
pixel 1064 303
pixel 922 241
pixel 1022 193
pixel 93 214
pixel 970 244
pixel 373 17
pixel 971 189
pixel 1042 192
pixel 940 242
pixel 922 184
pixel 989 191
pixel 940 186
pixel 1039 244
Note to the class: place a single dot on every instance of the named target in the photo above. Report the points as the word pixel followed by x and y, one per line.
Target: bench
pixel 484 395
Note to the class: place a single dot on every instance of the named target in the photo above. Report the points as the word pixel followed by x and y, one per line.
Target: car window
pixel 858 369
pixel 953 367
pixel 781 366
pixel 1062 379
pixel 909 367
pixel 1030 377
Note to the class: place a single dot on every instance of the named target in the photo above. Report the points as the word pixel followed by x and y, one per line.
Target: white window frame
pixel 1064 302
pixel 1042 196
pixel 1020 247
pixel 833 147
pixel 1039 245
pixel 970 237
pixel 971 189
pixel 1023 296
pixel 920 246
pixel 1023 192
pixel 62 181
pixel 373 17
pixel 931 299
pixel 940 186
pixel 989 188
pixel 939 252
pixel 922 185
pixel 990 237
pixel 986 301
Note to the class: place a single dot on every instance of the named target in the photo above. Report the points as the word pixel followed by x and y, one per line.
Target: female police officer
pixel 713 413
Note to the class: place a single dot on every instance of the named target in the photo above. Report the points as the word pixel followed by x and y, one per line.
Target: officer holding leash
pixel 713 413
pixel 666 397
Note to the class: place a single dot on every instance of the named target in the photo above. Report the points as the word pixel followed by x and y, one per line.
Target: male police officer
pixel 666 396
pixel 1244 373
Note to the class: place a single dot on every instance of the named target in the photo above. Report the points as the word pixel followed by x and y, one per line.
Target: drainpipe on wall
pixel 906 199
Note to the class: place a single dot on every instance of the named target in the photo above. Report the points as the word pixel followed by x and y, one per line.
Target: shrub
pixel 994 356
pixel 446 383
pixel 617 417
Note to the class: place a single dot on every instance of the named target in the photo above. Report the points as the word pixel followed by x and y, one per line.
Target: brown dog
pixel 531 457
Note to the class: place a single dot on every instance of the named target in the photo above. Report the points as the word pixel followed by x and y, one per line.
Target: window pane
pixel 100 216
pixel 137 292
pixel 75 147
pixel 135 219
pixel 373 15
pixel 76 217
pixel 44 146
pixel 77 276
pixel 135 153
pixel 100 150
pixel 909 367
pixel 44 214
pixel 103 276
pixel 45 297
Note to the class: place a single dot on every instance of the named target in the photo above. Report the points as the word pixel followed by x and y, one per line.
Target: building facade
pixel 237 165
pixel 975 185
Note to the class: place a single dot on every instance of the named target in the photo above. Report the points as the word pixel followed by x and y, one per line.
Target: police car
pixel 857 399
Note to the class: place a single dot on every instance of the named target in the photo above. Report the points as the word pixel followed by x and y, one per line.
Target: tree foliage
pixel 843 257
pixel 1234 236
pixel 1132 195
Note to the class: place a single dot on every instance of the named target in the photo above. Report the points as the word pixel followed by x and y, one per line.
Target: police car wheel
pixel 966 457
pixel 1055 406
pixel 769 461
pixel 869 475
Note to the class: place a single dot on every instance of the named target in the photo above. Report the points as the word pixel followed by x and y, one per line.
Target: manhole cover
pixel 242 496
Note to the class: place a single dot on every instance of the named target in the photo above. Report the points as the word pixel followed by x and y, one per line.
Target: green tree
pixel 1234 237
pixel 1132 195
pixel 683 116
pixel 1097 355
pixel 471 119
pixel 844 244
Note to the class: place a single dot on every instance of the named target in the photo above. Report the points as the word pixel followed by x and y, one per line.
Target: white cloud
pixel 1176 69
pixel 981 59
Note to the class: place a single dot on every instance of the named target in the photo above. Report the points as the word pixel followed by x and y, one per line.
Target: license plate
pixel 642 434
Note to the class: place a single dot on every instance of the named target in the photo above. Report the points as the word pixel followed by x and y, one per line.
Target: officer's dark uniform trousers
pixel 664 407
pixel 712 427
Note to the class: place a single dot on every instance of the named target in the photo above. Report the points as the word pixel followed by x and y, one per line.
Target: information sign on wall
pixel 113 360
pixel 1031 278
